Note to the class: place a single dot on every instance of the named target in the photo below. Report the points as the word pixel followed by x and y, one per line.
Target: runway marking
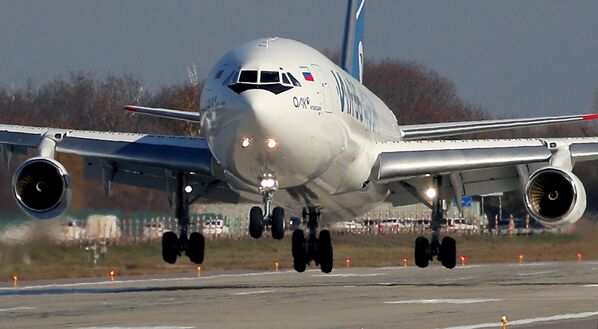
pixel 349 275
pixel 155 327
pixel 535 273
pixel 534 264
pixel 194 278
pixel 445 301
pixel 21 308
pixel 591 285
pixel 253 292
pixel 570 316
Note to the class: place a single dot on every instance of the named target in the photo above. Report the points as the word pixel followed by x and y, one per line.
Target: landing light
pixel 268 183
pixel 431 193
pixel 271 143
pixel 188 188
pixel 246 142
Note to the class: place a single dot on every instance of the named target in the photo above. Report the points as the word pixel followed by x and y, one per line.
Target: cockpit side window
pixel 248 76
pixel 285 79
pixel 293 80
pixel 269 77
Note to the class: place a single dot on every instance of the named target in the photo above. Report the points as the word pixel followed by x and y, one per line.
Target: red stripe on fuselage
pixel 590 117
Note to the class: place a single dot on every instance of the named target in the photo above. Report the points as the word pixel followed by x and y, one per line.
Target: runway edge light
pixel 504 321
pixel 112 274
pixel 405 261
pixel 579 256
pixel 15 281
pixel 521 258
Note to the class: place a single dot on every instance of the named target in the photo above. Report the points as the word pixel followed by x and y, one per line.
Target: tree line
pixel 82 100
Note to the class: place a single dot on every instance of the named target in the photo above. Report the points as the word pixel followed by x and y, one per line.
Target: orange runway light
pixel 405 261
pixel 199 271
pixel 348 261
pixel 463 260
pixel 276 266
pixel 504 321
pixel 15 281
pixel 579 256
pixel 112 273
pixel 521 258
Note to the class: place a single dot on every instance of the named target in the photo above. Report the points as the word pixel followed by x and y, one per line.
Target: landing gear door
pixel 321 87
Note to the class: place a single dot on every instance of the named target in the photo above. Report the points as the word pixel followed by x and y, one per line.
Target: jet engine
pixel 42 188
pixel 555 197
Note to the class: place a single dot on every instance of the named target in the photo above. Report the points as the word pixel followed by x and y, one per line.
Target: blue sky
pixel 511 57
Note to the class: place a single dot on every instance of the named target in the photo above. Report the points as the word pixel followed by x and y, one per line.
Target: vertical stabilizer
pixel 352 54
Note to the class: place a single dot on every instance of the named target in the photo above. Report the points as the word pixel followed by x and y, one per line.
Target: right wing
pixel 435 130
pixel 149 161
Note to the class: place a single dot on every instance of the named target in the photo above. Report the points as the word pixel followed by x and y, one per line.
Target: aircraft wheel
pixel 422 246
pixel 278 223
pixel 299 251
pixel 325 254
pixel 256 222
pixel 197 246
pixel 448 252
pixel 169 247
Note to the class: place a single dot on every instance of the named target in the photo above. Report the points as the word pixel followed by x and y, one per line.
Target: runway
pixel 534 295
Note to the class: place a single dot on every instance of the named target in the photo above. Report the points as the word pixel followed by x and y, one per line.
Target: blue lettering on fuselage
pixel 354 101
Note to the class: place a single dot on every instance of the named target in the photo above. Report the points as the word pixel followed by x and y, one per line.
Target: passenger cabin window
pixel 293 80
pixel 269 77
pixel 248 76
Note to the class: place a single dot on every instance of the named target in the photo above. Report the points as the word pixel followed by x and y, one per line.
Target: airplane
pixel 285 127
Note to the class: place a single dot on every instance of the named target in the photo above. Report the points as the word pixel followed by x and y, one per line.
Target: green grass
pixel 45 260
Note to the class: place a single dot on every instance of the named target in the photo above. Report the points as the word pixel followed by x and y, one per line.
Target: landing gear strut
pixel 194 245
pixel 312 248
pixel 445 252
pixel 258 218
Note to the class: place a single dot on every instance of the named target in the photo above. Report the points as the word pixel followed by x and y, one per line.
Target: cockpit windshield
pixel 269 77
pixel 248 76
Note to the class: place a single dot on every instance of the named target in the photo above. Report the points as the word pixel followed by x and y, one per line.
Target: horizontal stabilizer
pixel 165 113
pixel 434 130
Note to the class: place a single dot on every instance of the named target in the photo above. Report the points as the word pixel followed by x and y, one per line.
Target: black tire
pixel 256 222
pixel 170 247
pixel 299 252
pixel 277 223
pixel 197 245
pixel 325 253
pixel 422 247
pixel 448 252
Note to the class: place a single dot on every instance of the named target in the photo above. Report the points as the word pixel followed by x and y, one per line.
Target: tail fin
pixel 352 55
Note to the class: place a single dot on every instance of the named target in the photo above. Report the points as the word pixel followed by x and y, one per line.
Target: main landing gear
pixel 304 250
pixel 445 252
pixel 312 248
pixel 194 245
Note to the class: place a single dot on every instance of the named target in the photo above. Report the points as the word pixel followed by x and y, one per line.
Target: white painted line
pixel 469 266
pixel 347 275
pixel 253 292
pixel 535 264
pixel 445 301
pixel 591 285
pixel 535 273
pixel 570 316
pixel 194 278
pixel 145 327
pixel 458 279
pixel 21 308
pixel 348 286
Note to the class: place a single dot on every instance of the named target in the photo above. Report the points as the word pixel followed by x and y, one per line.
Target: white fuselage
pixel 325 131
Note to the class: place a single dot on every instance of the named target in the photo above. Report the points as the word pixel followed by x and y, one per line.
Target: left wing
pixel 472 167
pixel 435 130
pixel 165 113
pixel 150 161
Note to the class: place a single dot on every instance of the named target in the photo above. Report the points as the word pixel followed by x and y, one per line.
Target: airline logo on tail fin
pixel 352 55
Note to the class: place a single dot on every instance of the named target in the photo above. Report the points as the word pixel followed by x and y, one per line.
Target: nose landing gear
pixel 445 252
pixel 258 219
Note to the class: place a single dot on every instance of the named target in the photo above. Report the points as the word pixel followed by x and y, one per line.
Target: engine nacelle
pixel 555 196
pixel 42 188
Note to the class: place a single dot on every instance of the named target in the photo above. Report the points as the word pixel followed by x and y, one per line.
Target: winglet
pixel 164 113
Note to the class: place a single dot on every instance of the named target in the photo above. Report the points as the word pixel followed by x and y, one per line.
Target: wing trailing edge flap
pixel 435 130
